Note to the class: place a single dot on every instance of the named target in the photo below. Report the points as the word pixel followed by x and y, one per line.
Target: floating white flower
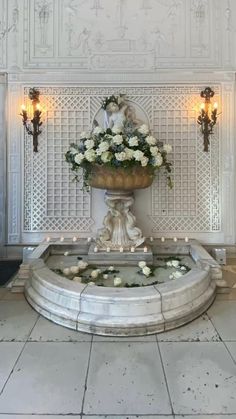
pixel 79 158
pixel 177 274
pixel 120 156
pixel 90 155
pixel 133 141
pixel 74 269
pixel 117 281
pixel 154 151
pixel 143 129
pixel 169 263
pixel 175 263
pixel 183 268
pixel 91 283
pixel 151 140
pixel 66 271
pixel 77 278
pixel 118 139
pixel 106 157
pixel 105 276
pixel 66 253
pixel 167 148
pixel 89 144
pixel 94 274
pixel 141 264
pixel 146 271
pixel 111 268
pixel 144 161
pixel 138 155
pixel 98 130
pixel 82 265
pixel 171 276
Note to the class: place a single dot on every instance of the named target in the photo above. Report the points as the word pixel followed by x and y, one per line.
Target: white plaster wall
pixel 111 43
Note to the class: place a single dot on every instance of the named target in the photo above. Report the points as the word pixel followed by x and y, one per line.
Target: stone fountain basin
pixel 123 311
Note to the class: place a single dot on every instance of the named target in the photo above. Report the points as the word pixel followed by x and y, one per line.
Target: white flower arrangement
pixel 117 282
pixel 117 148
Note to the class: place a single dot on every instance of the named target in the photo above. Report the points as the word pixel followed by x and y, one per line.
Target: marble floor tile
pixel 199 330
pixel 3 292
pixel 205 416
pixel 148 338
pixel 9 352
pixel 14 296
pixel 47 331
pixel 40 416
pixel 126 417
pixel 48 378
pixel 17 319
pixel 232 349
pixel 223 317
pixel 201 377
pixel 126 378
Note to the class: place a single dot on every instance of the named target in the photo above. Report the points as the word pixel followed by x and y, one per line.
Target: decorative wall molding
pixel 3 33
pixel 2 162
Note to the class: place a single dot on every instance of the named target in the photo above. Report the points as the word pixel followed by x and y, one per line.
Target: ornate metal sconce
pixel 32 126
pixel 208 116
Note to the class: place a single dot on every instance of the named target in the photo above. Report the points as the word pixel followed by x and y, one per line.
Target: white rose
pixel 94 274
pixel 120 156
pixel 154 151
pixel 142 264
pixel 77 278
pixel 84 134
pixel 66 271
pixel 74 269
pixel 105 276
pixel 143 129
pixel 167 148
pixel 133 141
pixel 111 268
pixel 158 160
pixel 90 155
pixel 146 271
pixel 79 158
pixel 117 281
pixel 103 146
pixel 73 150
pixel 82 265
pixel 151 140
pixel 144 161
pixel 138 155
pixel 118 139
pixel 175 263
pixel 177 274
pixel 129 153
pixel 89 144
pixel 98 130
pixel 106 157
pixel 116 129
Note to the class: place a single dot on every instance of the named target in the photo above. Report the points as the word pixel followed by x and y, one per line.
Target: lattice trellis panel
pixel 53 202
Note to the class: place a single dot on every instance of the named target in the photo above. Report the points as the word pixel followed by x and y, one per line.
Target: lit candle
pixel 95 249
pixel 48 239
pixel 89 239
pixel 145 249
pixel 175 239
pixel 163 239
pixel 23 107
pixel 108 249
pixel 38 107
pixel 62 239
pixel 215 105
pixel 132 249
pixel 74 239
pixel 151 239
pixel 202 107
pixel 121 249
pixel 186 239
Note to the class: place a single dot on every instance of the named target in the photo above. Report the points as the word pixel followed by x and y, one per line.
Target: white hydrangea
pixel 144 161
pixel 154 151
pixel 79 158
pixel 151 140
pixel 146 271
pixel 142 264
pixel 167 148
pixel 133 141
pixel 121 156
pixel 158 160
pixel 89 144
pixel 98 130
pixel 143 129
pixel 73 150
pixel 116 129
pixel 117 281
pixel 90 155
pixel 138 155
pixel 82 265
pixel 106 157
pixel 118 139
pixel 129 153
pixel 103 146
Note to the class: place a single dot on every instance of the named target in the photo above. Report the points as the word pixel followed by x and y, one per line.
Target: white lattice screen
pixel 53 202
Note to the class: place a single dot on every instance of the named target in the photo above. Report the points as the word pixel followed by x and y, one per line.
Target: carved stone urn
pixel 119 225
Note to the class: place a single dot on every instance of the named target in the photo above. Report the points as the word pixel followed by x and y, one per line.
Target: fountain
pixel 120 284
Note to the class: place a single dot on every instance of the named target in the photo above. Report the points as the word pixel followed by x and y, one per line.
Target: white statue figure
pixel 119 114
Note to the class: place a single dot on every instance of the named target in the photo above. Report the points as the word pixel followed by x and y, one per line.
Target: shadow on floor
pixel 7 269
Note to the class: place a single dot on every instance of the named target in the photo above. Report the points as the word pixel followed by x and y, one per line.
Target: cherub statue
pixel 115 108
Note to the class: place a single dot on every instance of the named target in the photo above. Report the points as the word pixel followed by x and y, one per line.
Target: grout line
pixel 17 359
pixel 86 377
pixel 164 373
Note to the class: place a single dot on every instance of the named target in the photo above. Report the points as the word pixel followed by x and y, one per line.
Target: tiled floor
pixel 47 371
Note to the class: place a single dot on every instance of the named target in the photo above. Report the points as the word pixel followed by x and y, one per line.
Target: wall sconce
pixel 208 116
pixel 32 126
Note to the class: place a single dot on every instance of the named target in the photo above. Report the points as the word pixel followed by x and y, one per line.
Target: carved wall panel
pixel 52 202
pixel 3 33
